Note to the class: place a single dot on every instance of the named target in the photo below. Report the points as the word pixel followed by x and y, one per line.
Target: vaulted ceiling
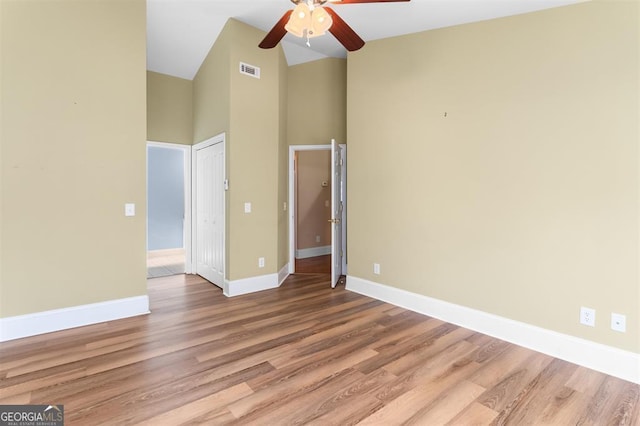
pixel 180 33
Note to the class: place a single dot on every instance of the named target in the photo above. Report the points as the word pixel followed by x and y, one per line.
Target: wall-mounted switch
pixel 130 209
pixel 376 268
pixel 261 262
pixel 247 207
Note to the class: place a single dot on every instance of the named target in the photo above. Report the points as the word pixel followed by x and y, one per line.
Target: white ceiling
pixel 180 33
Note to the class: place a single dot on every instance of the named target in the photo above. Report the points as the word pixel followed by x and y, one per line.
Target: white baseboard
pixel 76 316
pixel 283 274
pixel 606 359
pixel 250 285
pixel 313 252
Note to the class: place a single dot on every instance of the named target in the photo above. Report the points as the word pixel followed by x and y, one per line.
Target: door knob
pixel 336 221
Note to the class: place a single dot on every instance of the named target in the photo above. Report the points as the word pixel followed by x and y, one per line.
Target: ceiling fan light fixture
pixel 299 21
pixel 321 21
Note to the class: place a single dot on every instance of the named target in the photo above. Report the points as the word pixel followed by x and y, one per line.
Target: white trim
pixel 159 144
pixel 283 274
pixel 76 316
pixel 343 190
pixel 292 197
pixel 187 197
pixel 607 359
pixel 250 285
pixel 313 252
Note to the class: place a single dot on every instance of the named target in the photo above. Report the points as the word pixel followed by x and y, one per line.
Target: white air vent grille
pixel 250 70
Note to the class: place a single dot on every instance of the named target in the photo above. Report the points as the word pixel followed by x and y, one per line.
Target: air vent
pixel 249 70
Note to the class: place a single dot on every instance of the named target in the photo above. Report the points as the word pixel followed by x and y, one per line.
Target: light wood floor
pixel 162 263
pixel 300 354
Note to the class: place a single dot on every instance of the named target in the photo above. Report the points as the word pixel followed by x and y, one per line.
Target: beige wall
pixel 502 159
pixel 169 109
pixel 313 168
pixel 283 167
pixel 73 153
pixel 212 90
pixel 317 93
pixel 249 110
pixel 254 154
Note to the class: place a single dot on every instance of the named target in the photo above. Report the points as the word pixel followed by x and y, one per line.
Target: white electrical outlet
pixel 588 316
pixel 317 238
pixel 376 268
pixel 261 262
pixel 619 322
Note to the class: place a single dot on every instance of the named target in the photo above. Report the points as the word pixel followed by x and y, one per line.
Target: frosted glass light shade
pixel 299 20
pixel 320 22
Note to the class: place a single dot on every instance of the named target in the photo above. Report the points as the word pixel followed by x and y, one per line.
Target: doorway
pixel 313 188
pixel 168 209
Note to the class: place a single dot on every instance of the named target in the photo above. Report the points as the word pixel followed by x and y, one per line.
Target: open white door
pixel 208 200
pixel 336 213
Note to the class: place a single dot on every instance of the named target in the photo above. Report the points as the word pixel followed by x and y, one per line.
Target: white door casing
pixel 336 213
pixel 209 209
pixel 343 198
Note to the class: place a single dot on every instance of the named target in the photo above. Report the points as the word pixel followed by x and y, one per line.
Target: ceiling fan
pixel 311 18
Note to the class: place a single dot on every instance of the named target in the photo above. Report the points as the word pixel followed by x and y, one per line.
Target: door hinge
pixel 226 184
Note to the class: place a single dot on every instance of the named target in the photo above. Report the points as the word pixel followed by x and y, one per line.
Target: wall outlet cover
pixel 588 316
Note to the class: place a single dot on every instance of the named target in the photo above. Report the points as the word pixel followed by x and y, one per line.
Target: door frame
pixel 219 138
pixel 186 231
pixel 293 199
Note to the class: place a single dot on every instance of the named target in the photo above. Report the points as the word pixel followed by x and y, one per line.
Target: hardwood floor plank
pixel 535 396
pixel 447 405
pixel 564 408
pixel 15 398
pixel 303 406
pixel 405 358
pixel 278 387
pixel 187 413
pixel 417 388
pixel 299 354
pixel 501 396
pixel 474 415
pixel 615 403
pixel 153 401
pixel 498 369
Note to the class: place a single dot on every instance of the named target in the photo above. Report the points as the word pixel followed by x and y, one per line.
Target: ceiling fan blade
pixel 362 1
pixel 274 36
pixel 343 32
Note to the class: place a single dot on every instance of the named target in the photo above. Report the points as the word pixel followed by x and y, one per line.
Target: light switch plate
pixel 129 209
pixel 247 207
